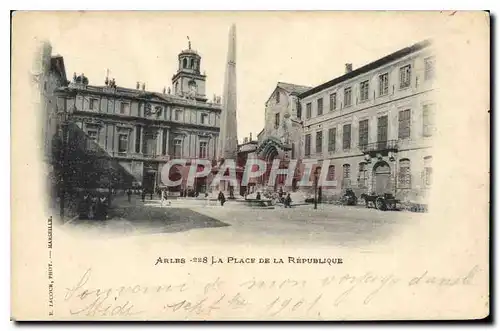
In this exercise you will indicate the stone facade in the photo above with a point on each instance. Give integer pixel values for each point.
(135, 132)
(282, 120)
(375, 124)
(282, 133)
(49, 74)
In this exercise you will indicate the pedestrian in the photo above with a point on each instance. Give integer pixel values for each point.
(151, 194)
(221, 198)
(258, 196)
(129, 194)
(101, 207)
(162, 194)
(143, 195)
(93, 205)
(288, 201)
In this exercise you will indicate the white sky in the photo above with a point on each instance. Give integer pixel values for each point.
(306, 48)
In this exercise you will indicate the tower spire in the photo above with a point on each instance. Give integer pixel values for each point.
(189, 43)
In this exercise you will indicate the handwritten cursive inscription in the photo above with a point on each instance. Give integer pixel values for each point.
(269, 297)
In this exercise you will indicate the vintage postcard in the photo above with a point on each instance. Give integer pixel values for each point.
(250, 165)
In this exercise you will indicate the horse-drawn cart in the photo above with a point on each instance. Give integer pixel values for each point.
(384, 202)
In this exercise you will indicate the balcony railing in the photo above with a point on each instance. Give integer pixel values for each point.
(151, 156)
(379, 146)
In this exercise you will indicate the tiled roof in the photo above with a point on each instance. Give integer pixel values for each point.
(370, 66)
(293, 88)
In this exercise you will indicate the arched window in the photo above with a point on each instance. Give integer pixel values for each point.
(427, 171)
(191, 63)
(362, 175)
(346, 175)
(404, 173)
(184, 63)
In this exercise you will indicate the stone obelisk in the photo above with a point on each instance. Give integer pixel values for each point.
(228, 131)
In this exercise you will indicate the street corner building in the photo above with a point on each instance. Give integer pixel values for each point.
(114, 137)
(374, 126)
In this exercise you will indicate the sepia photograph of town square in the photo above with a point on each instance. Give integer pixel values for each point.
(238, 131)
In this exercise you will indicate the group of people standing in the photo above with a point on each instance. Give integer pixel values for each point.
(93, 206)
(279, 196)
(161, 193)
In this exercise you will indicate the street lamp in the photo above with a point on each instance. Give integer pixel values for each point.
(316, 175)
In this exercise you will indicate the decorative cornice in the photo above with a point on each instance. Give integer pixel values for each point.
(143, 96)
(89, 120)
(124, 126)
(144, 121)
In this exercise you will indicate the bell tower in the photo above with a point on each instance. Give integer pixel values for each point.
(188, 81)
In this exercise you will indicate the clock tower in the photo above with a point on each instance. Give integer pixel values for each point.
(188, 81)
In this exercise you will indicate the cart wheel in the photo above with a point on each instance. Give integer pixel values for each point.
(380, 204)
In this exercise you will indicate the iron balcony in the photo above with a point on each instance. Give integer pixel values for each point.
(379, 147)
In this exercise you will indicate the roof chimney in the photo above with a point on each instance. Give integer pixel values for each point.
(143, 86)
(348, 68)
(245, 140)
(137, 86)
(250, 136)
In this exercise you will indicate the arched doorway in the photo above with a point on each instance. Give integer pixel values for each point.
(269, 150)
(382, 177)
(270, 153)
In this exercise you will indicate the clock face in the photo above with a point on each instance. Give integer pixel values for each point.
(192, 87)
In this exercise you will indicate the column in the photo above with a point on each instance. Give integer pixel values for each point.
(159, 141)
(142, 140)
(168, 142)
(134, 140)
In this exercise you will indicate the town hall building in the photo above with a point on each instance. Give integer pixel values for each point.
(121, 137)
